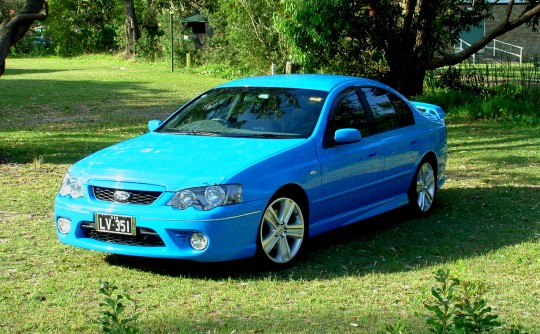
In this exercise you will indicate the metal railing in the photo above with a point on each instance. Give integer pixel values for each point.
(506, 48)
(496, 46)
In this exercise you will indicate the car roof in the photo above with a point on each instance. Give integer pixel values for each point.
(323, 82)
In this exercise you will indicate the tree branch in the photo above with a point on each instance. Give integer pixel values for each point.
(16, 28)
(253, 22)
(410, 8)
(509, 11)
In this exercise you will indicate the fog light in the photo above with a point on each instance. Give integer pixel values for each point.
(64, 225)
(198, 241)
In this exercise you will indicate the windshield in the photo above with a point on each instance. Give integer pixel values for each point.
(250, 112)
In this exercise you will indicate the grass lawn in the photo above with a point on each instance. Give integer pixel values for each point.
(485, 227)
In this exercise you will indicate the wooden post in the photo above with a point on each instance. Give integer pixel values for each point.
(188, 59)
(288, 67)
(273, 69)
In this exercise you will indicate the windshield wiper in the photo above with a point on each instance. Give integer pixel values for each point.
(197, 133)
(272, 135)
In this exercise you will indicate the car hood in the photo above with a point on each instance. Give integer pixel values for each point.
(177, 161)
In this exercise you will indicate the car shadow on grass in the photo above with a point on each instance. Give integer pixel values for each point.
(464, 223)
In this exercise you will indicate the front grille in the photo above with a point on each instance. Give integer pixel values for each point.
(135, 196)
(145, 236)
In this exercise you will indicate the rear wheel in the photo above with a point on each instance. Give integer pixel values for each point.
(423, 189)
(282, 231)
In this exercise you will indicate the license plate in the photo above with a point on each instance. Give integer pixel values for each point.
(115, 224)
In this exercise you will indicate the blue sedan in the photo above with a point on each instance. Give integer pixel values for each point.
(255, 167)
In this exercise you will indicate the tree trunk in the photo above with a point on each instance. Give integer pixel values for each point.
(132, 27)
(408, 81)
(13, 29)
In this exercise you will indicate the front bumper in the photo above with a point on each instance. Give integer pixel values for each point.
(164, 232)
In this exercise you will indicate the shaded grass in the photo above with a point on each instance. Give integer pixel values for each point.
(485, 226)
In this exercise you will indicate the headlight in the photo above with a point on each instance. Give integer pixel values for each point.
(71, 186)
(207, 198)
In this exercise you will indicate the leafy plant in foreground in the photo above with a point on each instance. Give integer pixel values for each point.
(463, 312)
(458, 308)
(399, 328)
(112, 319)
(443, 308)
(473, 315)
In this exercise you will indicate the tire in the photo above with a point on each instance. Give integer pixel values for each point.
(282, 232)
(423, 189)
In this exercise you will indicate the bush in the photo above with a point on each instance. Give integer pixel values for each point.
(34, 46)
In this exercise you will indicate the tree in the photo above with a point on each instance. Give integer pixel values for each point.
(14, 27)
(409, 37)
(245, 35)
(132, 27)
(85, 26)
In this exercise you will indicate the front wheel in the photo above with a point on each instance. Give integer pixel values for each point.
(423, 189)
(282, 231)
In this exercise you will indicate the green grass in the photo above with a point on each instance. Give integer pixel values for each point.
(485, 227)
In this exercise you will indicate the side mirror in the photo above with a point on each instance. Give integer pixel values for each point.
(345, 136)
(154, 124)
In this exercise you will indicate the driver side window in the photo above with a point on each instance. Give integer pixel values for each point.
(348, 113)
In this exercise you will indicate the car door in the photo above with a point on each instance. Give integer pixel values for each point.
(393, 127)
(350, 173)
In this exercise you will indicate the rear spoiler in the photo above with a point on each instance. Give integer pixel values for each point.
(430, 110)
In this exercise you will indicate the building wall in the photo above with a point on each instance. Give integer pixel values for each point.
(522, 36)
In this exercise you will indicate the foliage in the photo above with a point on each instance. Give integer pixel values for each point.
(454, 79)
(148, 46)
(468, 310)
(325, 35)
(443, 309)
(375, 36)
(535, 22)
(458, 308)
(399, 328)
(84, 26)
(400, 40)
(393, 41)
(245, 36)
(112, 319)
(38, 44)
(181, 45)
(463, 313)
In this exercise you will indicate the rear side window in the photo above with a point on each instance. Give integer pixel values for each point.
(404, 113)
(389, 111)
